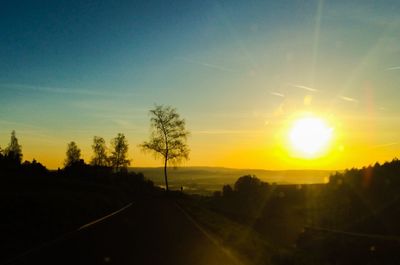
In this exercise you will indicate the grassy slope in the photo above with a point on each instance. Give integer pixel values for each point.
(240, 239)
(272, 233)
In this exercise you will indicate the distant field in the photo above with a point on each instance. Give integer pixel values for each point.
(205, 180)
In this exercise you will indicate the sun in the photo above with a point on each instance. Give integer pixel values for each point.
(309, 137)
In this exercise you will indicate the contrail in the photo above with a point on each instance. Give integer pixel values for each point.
(20, 124)
(393, 68)
(228, 132)
(305, 87)
(277, 94)
(348, 99)
(56, 90)
(213, 66)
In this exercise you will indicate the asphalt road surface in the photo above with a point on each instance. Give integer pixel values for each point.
(155, 231)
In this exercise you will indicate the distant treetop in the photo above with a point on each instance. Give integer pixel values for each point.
(14, 149)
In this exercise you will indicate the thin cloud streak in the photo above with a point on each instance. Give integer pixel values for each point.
(208, 65)
(30, 131)
(108, 107)
(214, 132)
(19, 124)
(277, 94)
(348, 99)
(393, 68)
(56, 90)
(304, 87)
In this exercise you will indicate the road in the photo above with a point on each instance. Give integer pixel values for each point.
(155, 231)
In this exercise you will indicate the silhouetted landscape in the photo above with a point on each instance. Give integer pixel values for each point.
(200, 132)
(350, 219)
(39, 205)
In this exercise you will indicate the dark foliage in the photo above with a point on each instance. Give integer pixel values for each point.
(33, 169)
(244, 201)
(364, 200)
(353, 219)
(39, 205)
(357, 220)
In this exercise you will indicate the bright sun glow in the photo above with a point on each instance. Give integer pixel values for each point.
(310, 136)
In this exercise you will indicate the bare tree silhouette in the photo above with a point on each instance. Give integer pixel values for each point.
(168, 137)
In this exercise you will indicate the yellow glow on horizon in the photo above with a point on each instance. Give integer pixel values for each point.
(265, 147)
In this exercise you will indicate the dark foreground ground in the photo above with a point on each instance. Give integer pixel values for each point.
(155, 231)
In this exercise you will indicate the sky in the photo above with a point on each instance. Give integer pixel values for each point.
(239, 72)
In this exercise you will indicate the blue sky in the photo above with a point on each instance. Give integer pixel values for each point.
(70, 70)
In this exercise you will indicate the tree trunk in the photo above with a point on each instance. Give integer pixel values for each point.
(165, 174)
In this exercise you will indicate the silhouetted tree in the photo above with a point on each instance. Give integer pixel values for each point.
(247, 184)
(13, 151)
(99, 152)
(250, 192)
(227, 191)
(168, 137)
(119, 154)
(73, 154)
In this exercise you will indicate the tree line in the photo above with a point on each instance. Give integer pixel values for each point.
(117, 159)
(168, 140)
